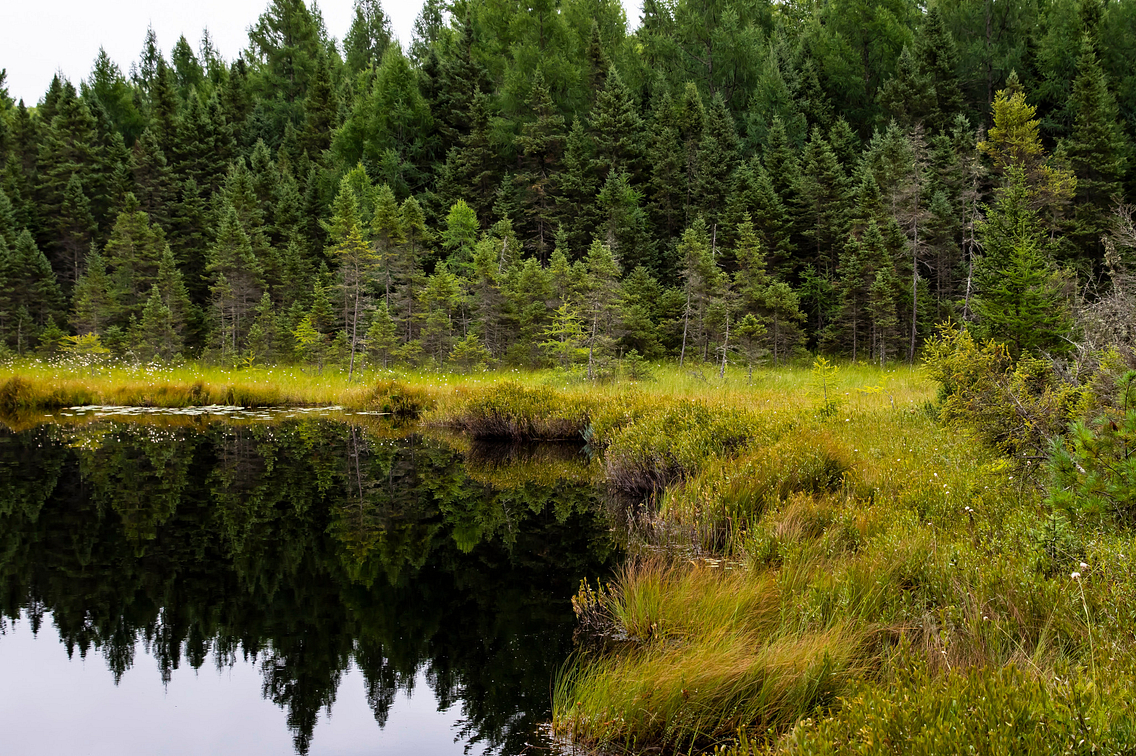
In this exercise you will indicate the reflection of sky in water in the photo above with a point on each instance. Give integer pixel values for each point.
(52, 705)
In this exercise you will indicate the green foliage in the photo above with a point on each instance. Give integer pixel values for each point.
(1019, 408)
(1094, 470)
(510, 411)
(666, 444)
(992, 711)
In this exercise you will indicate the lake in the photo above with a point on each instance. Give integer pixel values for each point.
(266, 583)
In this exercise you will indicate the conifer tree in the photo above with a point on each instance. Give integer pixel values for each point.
(153, 180)
(93, 307)
(156, 336)
(623, 223)
(700, 279)
(602, 294)
(541, 145)
(357, 259)
(1097, 150)
(75, 229)
(616, 129)
(381, 338)
(439, 302)
(666, 195)
(460, 235)
(1019, 300)
(388, 236)
(133, 254)
(265, 342)
(368, 37)
(30, 292)
(236, 283)
(824, 196)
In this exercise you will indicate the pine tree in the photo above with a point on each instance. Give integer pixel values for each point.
(381, 337)
(541, 145)
(602, 294)
(824, 196)
(460, 235)
(617, 130)
(93, 299)
(75, 229)
(175, 296)
(717, 158)
(321, 108)
(286, 44)
(153, 180)
(133, 254)
(700, 278)
(156, 335)
(666, 197)
(938, 58)
(439, 302)
(1019, 300)
(368, 37)
(31, 296)
(357, 259)
(623, 223)
(265, 341)
(1097, 151)
(236, 283)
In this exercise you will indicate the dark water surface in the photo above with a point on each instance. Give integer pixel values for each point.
(308, 585)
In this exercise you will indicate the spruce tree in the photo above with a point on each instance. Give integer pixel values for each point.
(541, 146)
(156, 336)
(236, 284)
(1097, 150)
(368, 37)
(92, 301)
(75, 230)
(381, 338)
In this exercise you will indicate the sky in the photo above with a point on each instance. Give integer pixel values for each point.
(38, 38)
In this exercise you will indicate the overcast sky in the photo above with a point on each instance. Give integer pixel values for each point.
(40, 37)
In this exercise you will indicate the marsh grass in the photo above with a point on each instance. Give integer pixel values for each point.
(804, 562)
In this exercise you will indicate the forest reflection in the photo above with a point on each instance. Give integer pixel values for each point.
(305, 546)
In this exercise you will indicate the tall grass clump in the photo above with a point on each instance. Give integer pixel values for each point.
(510, 411)
(673, 442)
(718, 504)
(705, 655)
(392, 397)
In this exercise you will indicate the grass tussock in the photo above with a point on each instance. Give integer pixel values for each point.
(511, 412)
(707, 653)
(730, 493)
(674, 441)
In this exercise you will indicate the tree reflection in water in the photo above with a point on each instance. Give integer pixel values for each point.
(306, 546)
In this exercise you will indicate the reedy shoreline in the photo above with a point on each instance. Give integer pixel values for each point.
(810, 576)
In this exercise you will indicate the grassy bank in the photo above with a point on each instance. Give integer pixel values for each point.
(819, 567)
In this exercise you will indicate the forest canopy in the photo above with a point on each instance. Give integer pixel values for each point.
(536, 185)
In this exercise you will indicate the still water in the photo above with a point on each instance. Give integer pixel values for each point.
(187, 585)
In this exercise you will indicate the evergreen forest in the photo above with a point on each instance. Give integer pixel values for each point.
(547, 184)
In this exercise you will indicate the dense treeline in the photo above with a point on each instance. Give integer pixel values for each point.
(535, 185)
